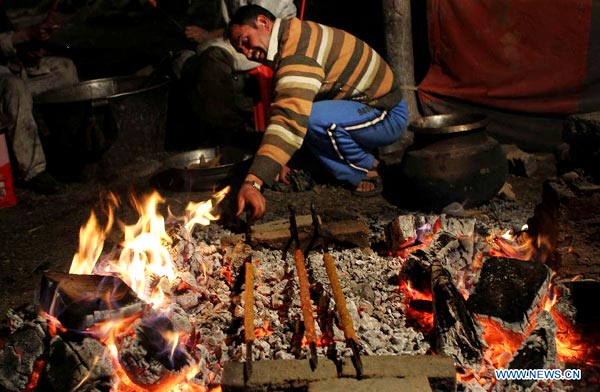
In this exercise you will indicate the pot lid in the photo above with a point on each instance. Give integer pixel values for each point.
(449, 123)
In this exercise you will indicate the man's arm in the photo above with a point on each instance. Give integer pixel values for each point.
(297, 82)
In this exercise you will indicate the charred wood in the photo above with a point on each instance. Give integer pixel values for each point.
(538, 351)
(22, 349)
(582, 298)
(80, 301)
(459, 333)
(83, 365)
(409, 230)
(276, 235)
(510, 292)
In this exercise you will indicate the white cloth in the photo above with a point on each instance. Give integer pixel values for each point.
(283, 9)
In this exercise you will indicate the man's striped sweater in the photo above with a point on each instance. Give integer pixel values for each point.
(314, 63)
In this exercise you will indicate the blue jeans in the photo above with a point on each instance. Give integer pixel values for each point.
(344, 134)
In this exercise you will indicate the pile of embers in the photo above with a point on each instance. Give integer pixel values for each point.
(442, 285)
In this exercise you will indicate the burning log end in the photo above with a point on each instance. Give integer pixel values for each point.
(459, 333)
(538, 351)
(79, 301)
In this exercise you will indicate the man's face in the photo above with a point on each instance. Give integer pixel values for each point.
(252, 42)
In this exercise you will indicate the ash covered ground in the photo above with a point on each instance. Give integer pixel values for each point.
(41, 232)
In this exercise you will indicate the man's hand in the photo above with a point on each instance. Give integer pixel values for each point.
(250, 197)
(283, 176)
(153, 3)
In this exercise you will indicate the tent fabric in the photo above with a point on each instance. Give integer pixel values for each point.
(518, 59)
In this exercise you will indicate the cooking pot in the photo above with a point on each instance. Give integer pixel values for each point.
(204, 169)
(452, 159)
(105, 121)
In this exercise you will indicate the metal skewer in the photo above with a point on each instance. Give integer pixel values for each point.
(248, 315)
(338, 296)
(307, 313)
(248, 304)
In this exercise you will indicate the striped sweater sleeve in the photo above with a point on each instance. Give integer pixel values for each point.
(298, 80)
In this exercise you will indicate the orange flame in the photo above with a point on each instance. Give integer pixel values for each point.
(91, 239)
(38, 367)
(521, 248)
(144, 256)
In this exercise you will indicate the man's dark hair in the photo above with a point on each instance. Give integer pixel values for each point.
(247, 15)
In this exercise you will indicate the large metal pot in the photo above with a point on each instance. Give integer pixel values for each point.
(452, 159)
(107, 122)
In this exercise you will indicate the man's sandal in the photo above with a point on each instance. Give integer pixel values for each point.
(375, 180)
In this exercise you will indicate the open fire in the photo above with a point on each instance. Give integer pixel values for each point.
(573, 346)
(163, 310)
(143, 263)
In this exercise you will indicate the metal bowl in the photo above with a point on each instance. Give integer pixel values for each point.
(449, 123)
(204, 169)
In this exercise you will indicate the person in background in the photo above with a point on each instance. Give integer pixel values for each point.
(25, 71)
(213, 76)
(332, 93)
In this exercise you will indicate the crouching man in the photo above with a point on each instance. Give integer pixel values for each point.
(332, 92)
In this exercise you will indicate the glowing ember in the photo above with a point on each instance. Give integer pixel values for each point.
(423, 318)
(263, 331)
(502, 344)
(38, 366)
(572, 344)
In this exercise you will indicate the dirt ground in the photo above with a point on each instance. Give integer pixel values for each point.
(41, 232)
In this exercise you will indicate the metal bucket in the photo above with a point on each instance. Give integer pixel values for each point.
(105, 122)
